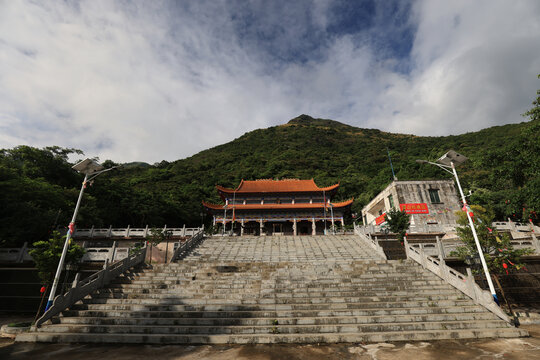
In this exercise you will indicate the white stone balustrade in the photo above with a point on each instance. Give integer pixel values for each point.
(464, 283)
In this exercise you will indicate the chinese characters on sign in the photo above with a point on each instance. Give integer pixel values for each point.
(420, 208)
(379, 220)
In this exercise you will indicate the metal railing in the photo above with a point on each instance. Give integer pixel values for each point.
(183, 247)
(83, 288)
(464, 283)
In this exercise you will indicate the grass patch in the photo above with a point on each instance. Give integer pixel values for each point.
(20, 324)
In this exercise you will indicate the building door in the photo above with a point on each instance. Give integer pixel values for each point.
(278, 228)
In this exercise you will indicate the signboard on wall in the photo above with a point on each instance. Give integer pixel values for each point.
(415, 208)
(380, 219)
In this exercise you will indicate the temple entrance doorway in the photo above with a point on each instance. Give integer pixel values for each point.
(277, 229)
(304, 227)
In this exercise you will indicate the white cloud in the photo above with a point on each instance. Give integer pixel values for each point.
(476, 66)
(153, 80)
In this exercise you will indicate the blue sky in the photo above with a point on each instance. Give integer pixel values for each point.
(147, 81)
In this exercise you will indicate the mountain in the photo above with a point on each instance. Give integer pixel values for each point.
(502, 173)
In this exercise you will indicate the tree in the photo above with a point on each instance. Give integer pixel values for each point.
(499, 253)
(398, 222)
(46, 255)
(157, 236)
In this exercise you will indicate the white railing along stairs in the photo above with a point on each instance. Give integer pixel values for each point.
(370, 241)
(83, 288)
(464, 283)
(184, 247)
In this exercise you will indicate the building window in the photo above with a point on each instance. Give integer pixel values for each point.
(391, 201)
(434, 195)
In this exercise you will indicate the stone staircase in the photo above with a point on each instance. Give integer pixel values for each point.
(206, 300)
(329, 248)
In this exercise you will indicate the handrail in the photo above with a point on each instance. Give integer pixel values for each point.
(130, 232)
(83, 288)
(464, 283)
(184, 247)
(371, 242)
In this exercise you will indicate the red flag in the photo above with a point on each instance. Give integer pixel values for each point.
(71, 228)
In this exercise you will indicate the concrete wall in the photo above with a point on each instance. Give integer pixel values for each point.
(406, 192)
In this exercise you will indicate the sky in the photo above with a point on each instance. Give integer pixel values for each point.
(163, 80)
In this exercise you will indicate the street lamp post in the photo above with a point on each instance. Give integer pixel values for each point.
(447, 162)
(91, 169)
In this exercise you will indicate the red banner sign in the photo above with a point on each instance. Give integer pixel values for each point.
(420, 208)
(379, 220)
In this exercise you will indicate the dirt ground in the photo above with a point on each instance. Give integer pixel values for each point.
(523, 348)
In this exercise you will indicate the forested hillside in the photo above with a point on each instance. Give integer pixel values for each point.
(38, 189)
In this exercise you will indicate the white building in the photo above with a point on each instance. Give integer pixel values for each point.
(431, 203)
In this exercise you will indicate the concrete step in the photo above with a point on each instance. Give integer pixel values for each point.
(371, 312)
(273, 307)
(265, 321)
(156, 299)
(226, 293)
(306, 338)
(269, 329)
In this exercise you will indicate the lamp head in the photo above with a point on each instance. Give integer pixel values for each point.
(87, 166)
(452, 157)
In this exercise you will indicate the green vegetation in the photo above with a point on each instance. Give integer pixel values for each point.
(499, 254)
(398, 222)
(46, 255)
(38, 190)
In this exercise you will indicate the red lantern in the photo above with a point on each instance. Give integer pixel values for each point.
(505, 266)
(42, 290)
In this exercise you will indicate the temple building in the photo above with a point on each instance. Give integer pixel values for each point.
(278, 207)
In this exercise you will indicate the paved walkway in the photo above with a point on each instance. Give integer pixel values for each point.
(338, 248)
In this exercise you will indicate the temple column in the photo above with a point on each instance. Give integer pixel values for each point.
(294, 227)
(262, 228)
(313, 227)
(242, 227)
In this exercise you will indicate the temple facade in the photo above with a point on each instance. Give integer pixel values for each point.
(278, 207)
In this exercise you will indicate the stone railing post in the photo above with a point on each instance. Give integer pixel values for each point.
(22, 251)
(109, 233)
(184, 230)
(422, 255)
(76, 280)
(146, 232)
(442, 268)
(512, 225)
(92, 232)
(471, 284)
(127, 231)
(406, 244)
(105, 266)
(441, 247)
(112, 252)
(536, 243)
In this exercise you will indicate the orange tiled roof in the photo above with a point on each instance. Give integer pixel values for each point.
(276, 186)
(277, 206)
